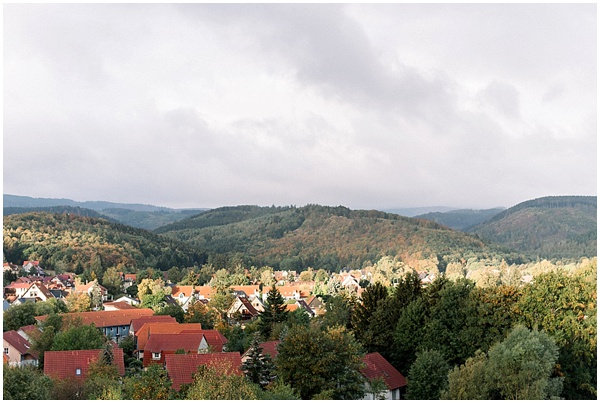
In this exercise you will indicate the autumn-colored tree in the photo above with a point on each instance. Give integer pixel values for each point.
(151, 384)
(218, 382)
(112, 281)
(79, 302)
(199, 312)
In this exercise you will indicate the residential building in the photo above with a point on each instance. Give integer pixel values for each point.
(18, 349)
(74, 364)
(181, 367)
(377, 367)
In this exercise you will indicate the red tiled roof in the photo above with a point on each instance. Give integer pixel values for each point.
(63, 364)
(247, 289)
(181, 367)
(163, 328)
(136, 324)
(169, 343)
(119, 305)
(173, 342)
(19, 342)
(130, 276)
(215, 340)
(379, 367)
(270, 348)
(106, 318)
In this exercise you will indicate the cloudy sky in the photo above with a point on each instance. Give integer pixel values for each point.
(366, 106)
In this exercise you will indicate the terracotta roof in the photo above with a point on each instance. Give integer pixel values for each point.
(19, 342)
(64, 364)
(130, 277)
(291, 307)
(205, 290)
(163, 328)
(86, 287)
(137, 323)
(379, 367)
(173, 342)
(30, 330)
(270, 348)
(247, 289)
(18, 285)
(119, 305)
(215, 340)
(181, 367)
(33, 262)
(106, 318)
(187, 290)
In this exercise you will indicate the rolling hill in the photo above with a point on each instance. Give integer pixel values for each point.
(137, 215)
(462, 219)
(319, 236)
(68, 241)
(555, 227)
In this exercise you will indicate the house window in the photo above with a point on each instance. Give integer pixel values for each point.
(156, 356)
(6, 350)
(78, 371)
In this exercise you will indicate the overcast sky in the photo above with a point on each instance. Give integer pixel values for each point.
(366, 106)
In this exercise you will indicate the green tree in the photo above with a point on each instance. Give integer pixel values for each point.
(522, 365)
(274, 312)
(258, 368)
(362, 316)
(470, 381)
(315, 362)
(219, 383)
(78, 337)
(198, 312)
(103, 377)
(112, 281)
(151, 384)
(18, 316)
(337, 311)
(171, 310)
(25, 383)
(428, 376)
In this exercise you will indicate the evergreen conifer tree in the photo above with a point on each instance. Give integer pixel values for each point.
(274, 312)
(258, 368)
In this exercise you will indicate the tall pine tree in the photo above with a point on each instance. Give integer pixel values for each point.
(274, 312)
(258, 368)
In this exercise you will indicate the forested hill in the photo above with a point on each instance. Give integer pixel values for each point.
(461, 219)
(80, 211)
(555, 227)
(71, 242)
(321, 237)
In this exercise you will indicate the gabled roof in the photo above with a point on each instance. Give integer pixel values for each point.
(181, 367)
(215, 340)
(247, 289)
(301, 303)
(150, 328)
(130, 277)
(119, 305)
(379, 367)
(43, 289)
(137, 323)
(173, 342)
(246, 304)
(19, 343)
(187, 290)
(64, 364)
(268, 348)
(205, 290)
(106, 318)
(86, 287)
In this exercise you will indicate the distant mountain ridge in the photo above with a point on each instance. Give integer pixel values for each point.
(463, 219)
(552, 227)
(137, 215)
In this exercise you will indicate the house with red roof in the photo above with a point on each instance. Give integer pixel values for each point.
(18, 349)
(90, 287)
(114, 324)
(268, 348)
(161, 345)
(137, 323)
(74, 364)
(377, 367)
(117, 306)
(147, 329)
(182, 367)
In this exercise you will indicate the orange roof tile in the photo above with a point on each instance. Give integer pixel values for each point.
(137, 323)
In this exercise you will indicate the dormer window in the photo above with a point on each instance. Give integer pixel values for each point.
(156, 356)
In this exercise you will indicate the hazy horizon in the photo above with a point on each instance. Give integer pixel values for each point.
(369, 106)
